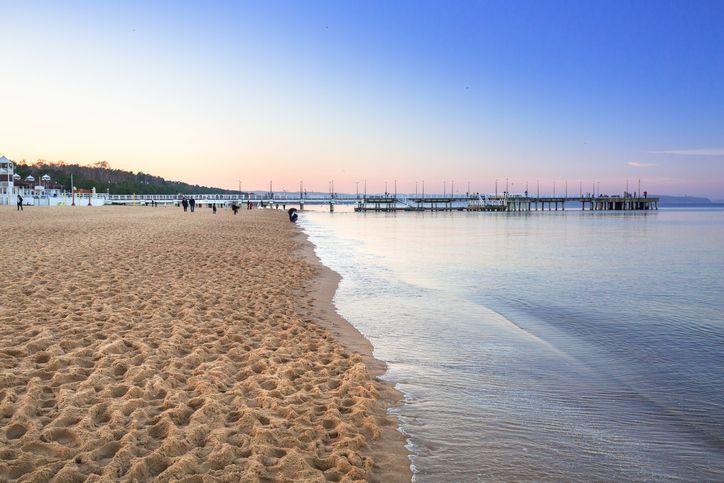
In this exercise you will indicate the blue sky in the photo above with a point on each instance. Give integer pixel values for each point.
(314, 91)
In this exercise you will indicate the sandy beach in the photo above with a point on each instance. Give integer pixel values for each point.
(143, 343)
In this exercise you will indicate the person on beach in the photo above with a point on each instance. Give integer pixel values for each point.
(184, 203)
(192, 204)
(20, 203)
(213, 208)
(234, 207)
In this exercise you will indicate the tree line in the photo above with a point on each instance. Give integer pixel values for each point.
(102, 177)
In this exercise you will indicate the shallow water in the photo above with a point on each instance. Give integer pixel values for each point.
(543, 346)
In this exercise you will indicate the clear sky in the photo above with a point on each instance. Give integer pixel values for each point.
(217, 92)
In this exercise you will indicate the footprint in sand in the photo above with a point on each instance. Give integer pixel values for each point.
(15, 431)
(62, 436)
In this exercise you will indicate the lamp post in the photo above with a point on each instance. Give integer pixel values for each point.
(72, 191)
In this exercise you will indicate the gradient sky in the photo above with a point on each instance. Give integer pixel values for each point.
(216, 92)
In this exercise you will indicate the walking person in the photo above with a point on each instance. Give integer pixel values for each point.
(20, 203)
(185, 203)
(213, 208)
(192, 204)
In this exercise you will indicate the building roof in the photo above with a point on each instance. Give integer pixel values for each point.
(5, 165)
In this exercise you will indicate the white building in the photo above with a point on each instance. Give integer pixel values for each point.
(7, 181)
(43, 193)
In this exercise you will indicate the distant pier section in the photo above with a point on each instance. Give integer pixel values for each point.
(507, 203)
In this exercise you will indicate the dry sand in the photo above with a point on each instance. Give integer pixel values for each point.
(141, 343)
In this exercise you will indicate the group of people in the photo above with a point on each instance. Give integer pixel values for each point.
(188, 203)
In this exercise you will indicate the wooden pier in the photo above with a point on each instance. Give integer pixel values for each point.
(505, 203)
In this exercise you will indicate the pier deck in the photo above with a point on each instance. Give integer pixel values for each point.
(506, 203)
(400, 202)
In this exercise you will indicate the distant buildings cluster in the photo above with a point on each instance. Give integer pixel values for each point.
(12, 184)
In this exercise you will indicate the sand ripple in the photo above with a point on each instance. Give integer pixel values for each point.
(142, 343)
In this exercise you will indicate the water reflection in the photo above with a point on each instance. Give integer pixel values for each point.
(553, 346)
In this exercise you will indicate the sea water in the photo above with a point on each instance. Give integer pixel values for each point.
(543, 346)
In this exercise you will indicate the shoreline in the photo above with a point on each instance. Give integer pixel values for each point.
(389, 451)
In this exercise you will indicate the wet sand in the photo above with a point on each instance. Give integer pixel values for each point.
(144, 343)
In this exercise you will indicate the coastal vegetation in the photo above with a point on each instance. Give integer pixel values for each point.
(103, 177)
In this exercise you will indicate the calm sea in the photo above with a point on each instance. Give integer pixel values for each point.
(544, 346)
